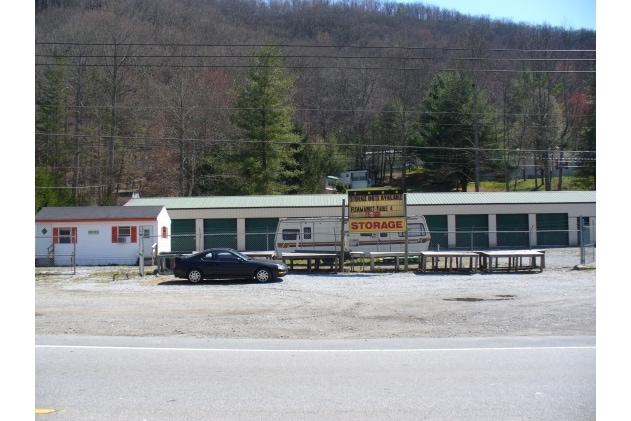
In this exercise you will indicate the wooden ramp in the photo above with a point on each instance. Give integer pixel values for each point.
(314, 261)
(452, 261)
(512, 260)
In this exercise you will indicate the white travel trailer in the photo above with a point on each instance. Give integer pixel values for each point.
(322, 235)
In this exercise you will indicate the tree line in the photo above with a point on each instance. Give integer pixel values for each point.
(234, 97)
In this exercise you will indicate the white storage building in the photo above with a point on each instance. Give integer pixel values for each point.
(100, 235)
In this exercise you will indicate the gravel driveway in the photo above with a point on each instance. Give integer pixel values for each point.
(117, 301)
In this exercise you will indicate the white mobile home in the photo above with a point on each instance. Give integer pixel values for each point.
(322, 235)
(357, 179)
(100, 235)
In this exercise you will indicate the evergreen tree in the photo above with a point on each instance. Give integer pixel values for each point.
(51, 122)
(447, 127)
(587, 170)
(47, 191)
(316, 160)
(52, 114)
(264, 116)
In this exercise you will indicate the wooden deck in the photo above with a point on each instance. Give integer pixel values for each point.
(428, 261)
(261, 254)
(314, 260)
(512, 260)
(372, 255)
(460, 261)
(467, 261)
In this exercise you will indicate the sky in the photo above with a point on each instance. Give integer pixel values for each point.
(570, 14)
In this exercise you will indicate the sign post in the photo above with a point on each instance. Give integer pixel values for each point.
(378, 210)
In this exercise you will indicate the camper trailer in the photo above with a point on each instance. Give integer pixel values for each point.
(322, 235)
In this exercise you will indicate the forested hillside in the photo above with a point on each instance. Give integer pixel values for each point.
(227, 97)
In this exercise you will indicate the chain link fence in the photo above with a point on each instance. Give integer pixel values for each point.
(64, 257)
(583, 241)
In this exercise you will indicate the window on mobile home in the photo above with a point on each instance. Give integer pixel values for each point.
(291, 234)
(124, 234)
(65, 236)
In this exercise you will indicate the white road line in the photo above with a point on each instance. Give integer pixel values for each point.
(314, 350)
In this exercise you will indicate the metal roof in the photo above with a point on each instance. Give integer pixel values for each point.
(486, 198)
(327, 200)
(237, 202)
(98, 213)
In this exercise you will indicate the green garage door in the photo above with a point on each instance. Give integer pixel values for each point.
(472, 231)
(220, 233)
(260, 233)
(438, 229)
(183, 235)
(552, 229)
(512, 231)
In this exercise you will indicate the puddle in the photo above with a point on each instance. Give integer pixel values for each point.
(497, 298)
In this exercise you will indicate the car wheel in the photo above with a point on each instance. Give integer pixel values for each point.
(195, 275)
(263, 275)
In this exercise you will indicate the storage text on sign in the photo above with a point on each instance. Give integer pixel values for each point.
(376, 210)
(377, 225)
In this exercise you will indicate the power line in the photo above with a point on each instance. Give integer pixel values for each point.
(337, 46)
(235, 66)
(438, 54)
(383, 146)
(73, 108)
(290, 56)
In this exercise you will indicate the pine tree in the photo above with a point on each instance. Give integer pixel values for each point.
(264, 118)
(447, 127)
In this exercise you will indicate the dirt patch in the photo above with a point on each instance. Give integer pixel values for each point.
(119, 302)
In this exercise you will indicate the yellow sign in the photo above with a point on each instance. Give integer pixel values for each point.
(375, 203)
(376, 210)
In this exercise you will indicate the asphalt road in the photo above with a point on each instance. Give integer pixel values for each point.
(163, 378)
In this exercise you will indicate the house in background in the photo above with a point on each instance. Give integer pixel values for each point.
(100, 235)
(329, 184)
(123, 196)
(357, 179)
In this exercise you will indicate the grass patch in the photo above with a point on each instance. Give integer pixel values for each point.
(417, 181)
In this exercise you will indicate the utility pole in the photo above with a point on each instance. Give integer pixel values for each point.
(403, 151)
(475, 138)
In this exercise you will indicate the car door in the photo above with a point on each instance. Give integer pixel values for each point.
(208, 264)
(229, 265)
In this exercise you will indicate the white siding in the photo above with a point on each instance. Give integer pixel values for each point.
(94, 244)
(164, 243)
(43, 239)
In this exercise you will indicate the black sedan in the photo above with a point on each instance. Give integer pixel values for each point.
(226, 263)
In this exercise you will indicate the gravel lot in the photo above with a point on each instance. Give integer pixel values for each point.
(117, 301)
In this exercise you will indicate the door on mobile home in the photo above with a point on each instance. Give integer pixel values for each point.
(148, 240)
(306, 239)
